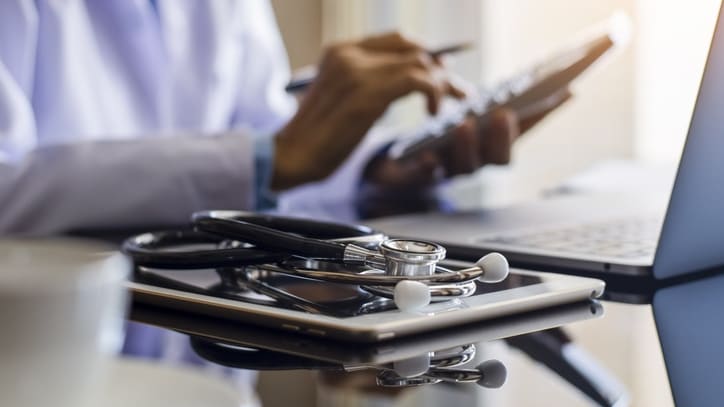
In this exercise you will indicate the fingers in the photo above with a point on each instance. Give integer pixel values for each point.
(385, 67)
(419, 171)
(474, 147)
(498, 137)
(462, 156)
(410, 59)
(471, 148)
(421, 81)
(416, 75)
(455, 90)
(390, 42)
(422, 72)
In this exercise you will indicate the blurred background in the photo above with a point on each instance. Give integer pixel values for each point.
(636, 106)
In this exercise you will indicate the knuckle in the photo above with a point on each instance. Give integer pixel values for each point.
(422, 60)
(334, 52)
(337, 57)
(412, 80)
(392, 36)
(414, 75)
(403, 39)
(397, 36)
(334, 49)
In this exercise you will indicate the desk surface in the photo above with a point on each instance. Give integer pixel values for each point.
(622, 347)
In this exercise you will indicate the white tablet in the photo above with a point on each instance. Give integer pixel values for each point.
(348, 313)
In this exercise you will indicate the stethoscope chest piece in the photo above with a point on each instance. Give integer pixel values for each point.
(411, 257)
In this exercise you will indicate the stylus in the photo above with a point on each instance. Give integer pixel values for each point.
(296, 85)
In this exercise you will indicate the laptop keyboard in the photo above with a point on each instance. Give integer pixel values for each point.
(621, 238)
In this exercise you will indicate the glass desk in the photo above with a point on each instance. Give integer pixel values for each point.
(585, 354)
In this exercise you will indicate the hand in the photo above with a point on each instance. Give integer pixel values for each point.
(472, 148)
(355, 84)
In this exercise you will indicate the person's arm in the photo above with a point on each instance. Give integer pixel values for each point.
(96, 185)
(110, 184)
(142, 182)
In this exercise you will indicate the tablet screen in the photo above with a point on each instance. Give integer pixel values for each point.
(289, 292)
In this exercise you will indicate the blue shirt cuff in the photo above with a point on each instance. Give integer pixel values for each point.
(263, 168)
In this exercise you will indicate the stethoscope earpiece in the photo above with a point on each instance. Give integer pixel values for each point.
(493, 374)
(495, 268)
(411, 295)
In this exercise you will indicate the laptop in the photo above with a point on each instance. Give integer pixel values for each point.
(609, 235)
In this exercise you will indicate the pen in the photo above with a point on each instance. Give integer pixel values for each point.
(296, 85)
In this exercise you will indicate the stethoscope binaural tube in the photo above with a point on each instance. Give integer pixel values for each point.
(161, 249)
(295, 240)
(151, 250)
(292, 236)
(269, 238)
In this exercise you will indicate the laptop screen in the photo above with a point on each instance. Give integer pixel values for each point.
(692, 237)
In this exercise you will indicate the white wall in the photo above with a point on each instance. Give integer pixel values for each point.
(674, 40)
(300, 22)
(597, 124)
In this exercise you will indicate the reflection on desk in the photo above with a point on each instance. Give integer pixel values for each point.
(691, 331)
(441, 357)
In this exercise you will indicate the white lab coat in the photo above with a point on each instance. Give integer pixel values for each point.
(119, 113)
(122, 113)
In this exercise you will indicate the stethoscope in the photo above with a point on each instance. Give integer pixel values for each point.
(442, 366)
(406, 271)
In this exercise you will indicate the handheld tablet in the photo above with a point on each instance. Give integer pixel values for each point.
(348, 319)
(529, 94)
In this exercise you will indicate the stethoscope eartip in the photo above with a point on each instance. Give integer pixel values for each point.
(493, 372)
(411, 295)
(412, 367)
(495, 267)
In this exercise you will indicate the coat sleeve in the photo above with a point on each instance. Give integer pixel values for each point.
(130, 184)
(109, 184)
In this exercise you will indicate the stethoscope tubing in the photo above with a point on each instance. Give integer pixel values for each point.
(270, 238)
(154, 250)
(326, 240)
